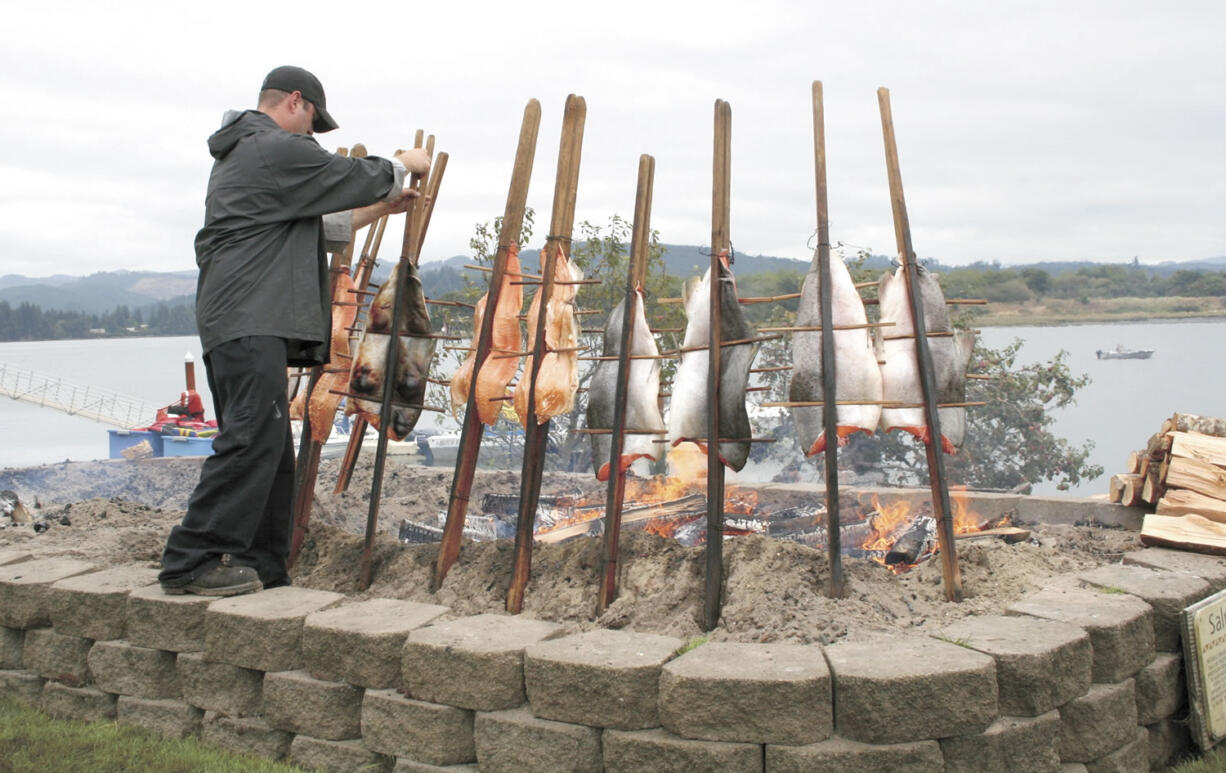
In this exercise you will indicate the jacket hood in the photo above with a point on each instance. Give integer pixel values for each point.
(236, 125)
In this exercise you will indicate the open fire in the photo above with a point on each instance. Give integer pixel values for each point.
(892, 533)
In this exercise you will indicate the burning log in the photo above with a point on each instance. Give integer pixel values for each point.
(913, 543)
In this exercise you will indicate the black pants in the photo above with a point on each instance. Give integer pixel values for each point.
(243, 503)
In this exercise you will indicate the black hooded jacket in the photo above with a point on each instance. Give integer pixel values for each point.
(263, 269)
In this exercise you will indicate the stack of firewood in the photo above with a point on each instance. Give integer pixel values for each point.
(1182, 474)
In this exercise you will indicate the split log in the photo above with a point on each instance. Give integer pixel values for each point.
(1206, 425)
(1134, 463)
(1184, 532)
(1184, 502)
(1193, 445)
(1201, 477)
(1152, 489)
(1125, 488)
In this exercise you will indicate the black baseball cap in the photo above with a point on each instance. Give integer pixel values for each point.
(289, 78)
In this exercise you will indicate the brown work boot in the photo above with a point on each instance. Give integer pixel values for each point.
(215, 578)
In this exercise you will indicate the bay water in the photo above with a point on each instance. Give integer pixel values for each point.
(1123, 405)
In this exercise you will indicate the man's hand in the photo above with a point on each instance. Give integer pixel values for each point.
(415, 160)
(401, 202)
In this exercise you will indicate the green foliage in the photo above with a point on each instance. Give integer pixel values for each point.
(31, 742)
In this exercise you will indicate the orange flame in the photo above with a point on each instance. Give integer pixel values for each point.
(688, 462)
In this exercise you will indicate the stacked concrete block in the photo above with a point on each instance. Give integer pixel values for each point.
(1098, 723)
(601, 678)
(1009, 744)
(1167, 593)
(84, 704)
(404, 765)
(648, 751)
(297, 702)
(262, 631)
(167, 718)
(1160, 688)
(474, 663)
(163, 622)
(125, 669)
(1169, 742)
(12, 640)
(361, 643)
(220, 687)
(950, 690)
(423, 732)
(94, 605)
(514, 740)
(1040, 664)
(1132, 756)
(1120, 626)
(839, 755)
(1211, 569)
(25, 589)
(319, 754)
(245, 735)
(751, 693)
(25, 686)
(55, 656)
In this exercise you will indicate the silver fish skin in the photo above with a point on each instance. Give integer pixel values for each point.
(413, 356)
(858, 374)
(951, 386)
(900, 371)
(642, 393)
(688, 411)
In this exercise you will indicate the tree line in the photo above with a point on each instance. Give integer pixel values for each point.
(29, 322)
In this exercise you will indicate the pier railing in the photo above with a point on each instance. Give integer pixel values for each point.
(101, 405)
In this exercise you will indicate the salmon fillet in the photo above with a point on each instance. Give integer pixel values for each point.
(558, 377)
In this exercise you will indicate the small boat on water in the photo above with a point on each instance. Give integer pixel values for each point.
(1120, 353)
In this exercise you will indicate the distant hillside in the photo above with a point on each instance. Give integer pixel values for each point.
(97, 293)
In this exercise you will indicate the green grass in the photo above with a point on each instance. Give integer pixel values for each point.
(31, 742)
(1213, 761)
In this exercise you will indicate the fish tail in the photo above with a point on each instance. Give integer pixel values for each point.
(947, 446)
(818, 446)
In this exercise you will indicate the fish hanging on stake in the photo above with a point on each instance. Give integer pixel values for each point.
(415, 350)
(642, 393)
(506, 338)
(900, 372)
(858, 375)
(557, 379)
(688, 411)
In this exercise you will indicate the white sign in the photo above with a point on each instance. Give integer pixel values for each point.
(1204, 647)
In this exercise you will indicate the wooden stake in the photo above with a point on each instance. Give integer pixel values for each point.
(536, 435)
(936, 464)
(636, 277)
(721, 242)
(830, 417)
(472, 429)
(408, 254)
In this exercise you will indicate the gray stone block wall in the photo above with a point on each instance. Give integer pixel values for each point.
(124, 669)
(11, 642)
(163, 622)
(220, 687)
(93, 605)
(361, 643)
(1020, 684)
(55, 656)
(25, 589)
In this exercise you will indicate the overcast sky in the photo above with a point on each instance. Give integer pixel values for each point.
(1026, 130)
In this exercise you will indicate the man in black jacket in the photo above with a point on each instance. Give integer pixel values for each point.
(262, 303)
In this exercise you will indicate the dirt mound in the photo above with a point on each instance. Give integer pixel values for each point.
(119, 512)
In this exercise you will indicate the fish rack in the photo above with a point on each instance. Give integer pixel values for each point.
(417, 218)
(472, 429)
(536, 434)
